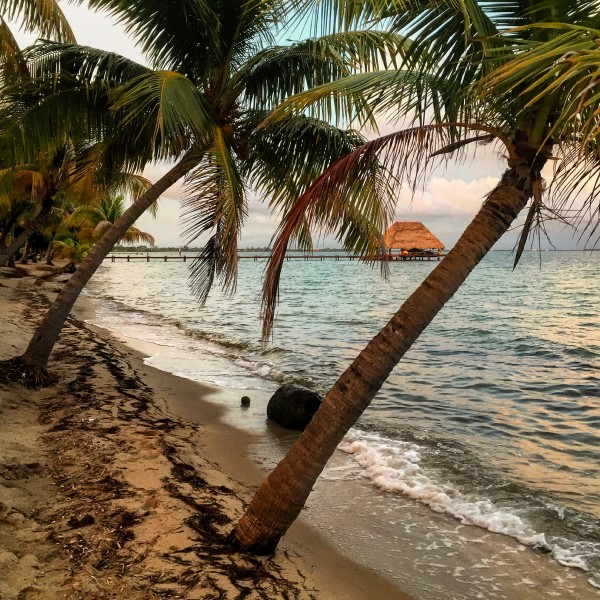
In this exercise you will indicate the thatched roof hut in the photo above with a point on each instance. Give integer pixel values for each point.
(411, 235)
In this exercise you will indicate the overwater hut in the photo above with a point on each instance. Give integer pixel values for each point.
(406, 239)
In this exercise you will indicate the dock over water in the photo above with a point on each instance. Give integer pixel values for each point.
(119, 257)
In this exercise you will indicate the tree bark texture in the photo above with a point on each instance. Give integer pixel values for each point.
(25, 258)
(281, 497)
(46, 334)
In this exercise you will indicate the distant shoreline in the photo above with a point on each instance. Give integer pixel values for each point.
(161, 249)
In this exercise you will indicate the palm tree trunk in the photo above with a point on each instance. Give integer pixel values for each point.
(282, 496)
(25, 257)
(36, 356)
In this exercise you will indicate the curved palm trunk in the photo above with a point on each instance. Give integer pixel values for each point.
(43, 340)
(282, 496)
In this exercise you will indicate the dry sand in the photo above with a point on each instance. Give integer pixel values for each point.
(105, 494)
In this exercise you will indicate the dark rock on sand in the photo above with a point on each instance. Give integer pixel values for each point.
(293, 406)
(245, 400)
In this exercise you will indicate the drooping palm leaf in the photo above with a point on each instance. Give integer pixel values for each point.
(167, 102)
(42, 16)
(215, 205)
(346, 198)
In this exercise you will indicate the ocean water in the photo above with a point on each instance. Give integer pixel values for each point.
(489, 425)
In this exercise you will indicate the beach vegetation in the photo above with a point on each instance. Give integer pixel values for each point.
(20, 181)
(89, 223)
(517, 76)
(51, 196)
(216, 72)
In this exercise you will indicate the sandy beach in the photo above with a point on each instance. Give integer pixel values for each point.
(104, 493)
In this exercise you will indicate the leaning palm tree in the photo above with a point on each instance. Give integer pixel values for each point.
(498, 72)
(217, 75)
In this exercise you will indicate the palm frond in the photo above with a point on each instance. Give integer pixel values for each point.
(91, 67)
(215, 201)
(166, 32)
(42, 16)
(565, 68)
(134, 235)
(279, 72)
(167, 102)
(358, 97)
(574, 189)
(309, 145)
(12, 64)
(354, 198)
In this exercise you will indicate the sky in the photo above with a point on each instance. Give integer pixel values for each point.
(446, 205)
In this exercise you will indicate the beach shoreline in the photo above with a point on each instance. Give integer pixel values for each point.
(105, 493)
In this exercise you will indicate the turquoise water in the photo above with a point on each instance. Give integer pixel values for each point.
(493, 417)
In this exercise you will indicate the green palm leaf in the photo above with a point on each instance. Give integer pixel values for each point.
(168, 103)
(88, 66)
(215, 204)
(311, 145)
(165, 31)
(279, 72)
(42, 16)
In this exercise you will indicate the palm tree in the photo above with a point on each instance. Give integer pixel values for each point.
(48, 20)
(26, 198)
(501, 70)
(217, 76)
(90, 223)
(29, 193)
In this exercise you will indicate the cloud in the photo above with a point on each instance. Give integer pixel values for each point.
(446, 197)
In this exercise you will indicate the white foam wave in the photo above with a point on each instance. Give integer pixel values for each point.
(267, 371)
(394, 466)
(261, 369)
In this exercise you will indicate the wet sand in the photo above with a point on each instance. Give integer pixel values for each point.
(108, 491)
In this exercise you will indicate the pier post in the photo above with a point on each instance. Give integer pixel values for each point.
(128, 258)
(165, 259)
(112, 258)
(184, 258)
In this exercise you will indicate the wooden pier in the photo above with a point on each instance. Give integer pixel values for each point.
(256, 257)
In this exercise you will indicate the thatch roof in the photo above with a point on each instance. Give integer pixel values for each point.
(410, 234)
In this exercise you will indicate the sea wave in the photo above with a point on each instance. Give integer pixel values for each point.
(153, 318)
(268, 371)
(395, 466)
